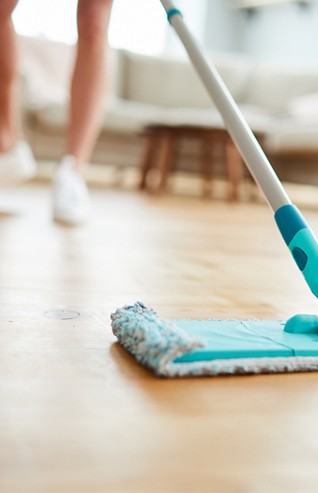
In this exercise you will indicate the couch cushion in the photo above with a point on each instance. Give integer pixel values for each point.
(273, 86)
(304, 106)
(46, 67)
(294, 134)
(172, 82)
(120, 116)
(258, 120)
(130, 116)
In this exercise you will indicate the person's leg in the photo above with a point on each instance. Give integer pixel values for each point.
(89, 85)
(9, 114)
(17, 163)
(89, 82)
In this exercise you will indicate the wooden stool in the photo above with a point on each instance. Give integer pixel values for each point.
(161, 154)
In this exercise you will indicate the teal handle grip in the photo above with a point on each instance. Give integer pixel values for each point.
(301, 241)
(304, 248)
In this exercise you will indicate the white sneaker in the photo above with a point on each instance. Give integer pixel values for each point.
(17, 165)
(70, 193)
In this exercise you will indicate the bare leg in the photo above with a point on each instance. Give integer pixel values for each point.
(89, 81)
(9, 115)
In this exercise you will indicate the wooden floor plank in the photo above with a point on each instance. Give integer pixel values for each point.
(79, 415)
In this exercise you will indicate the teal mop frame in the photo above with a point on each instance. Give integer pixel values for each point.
(193, 348)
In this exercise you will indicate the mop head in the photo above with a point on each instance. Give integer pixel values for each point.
(184, 348)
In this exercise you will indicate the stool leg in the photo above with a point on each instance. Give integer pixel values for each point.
(173, 157)
(147, 162)
(165, 159)
(235, 171)
(207, 165)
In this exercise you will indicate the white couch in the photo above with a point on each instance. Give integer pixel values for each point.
(275, 99)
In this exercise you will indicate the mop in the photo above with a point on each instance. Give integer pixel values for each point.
(225, 347)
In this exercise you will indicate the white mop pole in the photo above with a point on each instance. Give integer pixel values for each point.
(299, 238)
(247, 144)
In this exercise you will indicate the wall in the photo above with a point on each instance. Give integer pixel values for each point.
(225, 27)
(287, 33)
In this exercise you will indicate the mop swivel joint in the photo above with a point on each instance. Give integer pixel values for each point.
(301, 241)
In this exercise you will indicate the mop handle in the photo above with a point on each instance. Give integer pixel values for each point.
(293, 227)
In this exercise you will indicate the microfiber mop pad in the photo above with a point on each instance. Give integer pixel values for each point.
(184, 348)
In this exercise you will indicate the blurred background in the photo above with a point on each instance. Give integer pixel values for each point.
(267, 29)
(265, 50)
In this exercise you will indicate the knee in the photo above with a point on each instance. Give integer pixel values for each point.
(92, 21)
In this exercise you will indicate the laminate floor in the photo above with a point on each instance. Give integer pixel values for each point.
(79, 415)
